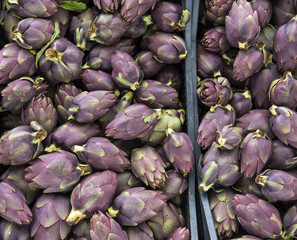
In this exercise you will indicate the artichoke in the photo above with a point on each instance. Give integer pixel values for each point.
(142, 231)
(63, 18)
(133, 9)
(180, 234)
(97, 80)
(107, 5)
(216, 11)
(139, 27)
(12, 231)
(229, 137)
(283, 11)
(126, 181)
(264, 11)
(170, 76)
(241, 102)
(290, 222)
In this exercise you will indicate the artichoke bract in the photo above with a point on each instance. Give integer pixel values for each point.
(15, 62)
(254, 120)
(264, 11)
(63, 99)
(170, 16)
(283, 122)
(55, 172)
(127, 180)
(139, 27)
(284, 46)
(248, 186)
(242, 25)
(135, 121)
(282, 91)
(50, 212)
(100, 56)
(11, 231)
(179, 149)
(41, 109)
(101, 154)
(209, 64)
(229, 137)
(290, 222)
(142, 231)
(283, 157)
(258, 217)
(92, 194)
(216, 11)
(15, 175)
(107, 29)
(226, 223)
(214, 91)
(10, 22)
(97, 80)
(266, 37)
(207, 131)
(148, 64)
(248, 62)
(165, 222)
(125, 71)
(107, 5)
(104, 227)
(21, 144)
(90, 106)
(170, 76)
(256, 149)
(260, 84)
(180, 234)
(283, 11)
(277, 185)
(219, 167)
(13, 205)
(79, 28)
(19, 92)
(167, 47)
(39, 8)
(81, 231)
(148, 166)
(241, 102)
(145, 204)
(133, 9)
(63, 18)
(215, 40)
(70, 134)
(62, 62)
(33, 33)
(169, 118)
(156, 95)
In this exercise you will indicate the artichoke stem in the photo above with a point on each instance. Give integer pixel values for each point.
(85, 169)
(75, 217)
(260, 180)
(204, 188)
(77, 148)
(52, 54)
(52, 148)
(183, 56)
(112, 212)
(40, 135)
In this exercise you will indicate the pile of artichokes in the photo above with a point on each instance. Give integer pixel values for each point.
(247, 89)
(91, 140)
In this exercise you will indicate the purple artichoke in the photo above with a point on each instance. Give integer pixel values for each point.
(266, 37)
(283, 121)
(282, 91)
(290, 222)
(125, 71)
(63, 18)
(283, 11)
(215, 40)
(148, 64)
(50, 212)
(264, 11)
(133, 9)
(260, 84)
(241, 102)
(145, 204)
(19, 92)
(148, 166)
(108, 29)
(101, 154)
(13, 205)
(56, 172)
(92, 194)
(248, 186)
(97, 80)
(242, 25)
(170, 16)
(258, 217)
(284, 46)
(88, 107)
(126, 181)
(12, 231)
(180, 234)
(139, 27)
(216, 11)
(178, 148)
(229, 137)
(135, 121)
(104, 227)
(9, 22)
(21, 144)
(62, 62)
(214, 91)
(213, 121)
(41, 109)
(171, 76)
(219, 167)
(142, 231)
(167, 47)
(81, 231)
(15, 62)
(107, 5)
(278, 185)
(100, 56)
(256, 149)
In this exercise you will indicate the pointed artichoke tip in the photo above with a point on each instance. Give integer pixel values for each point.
(112, 212)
